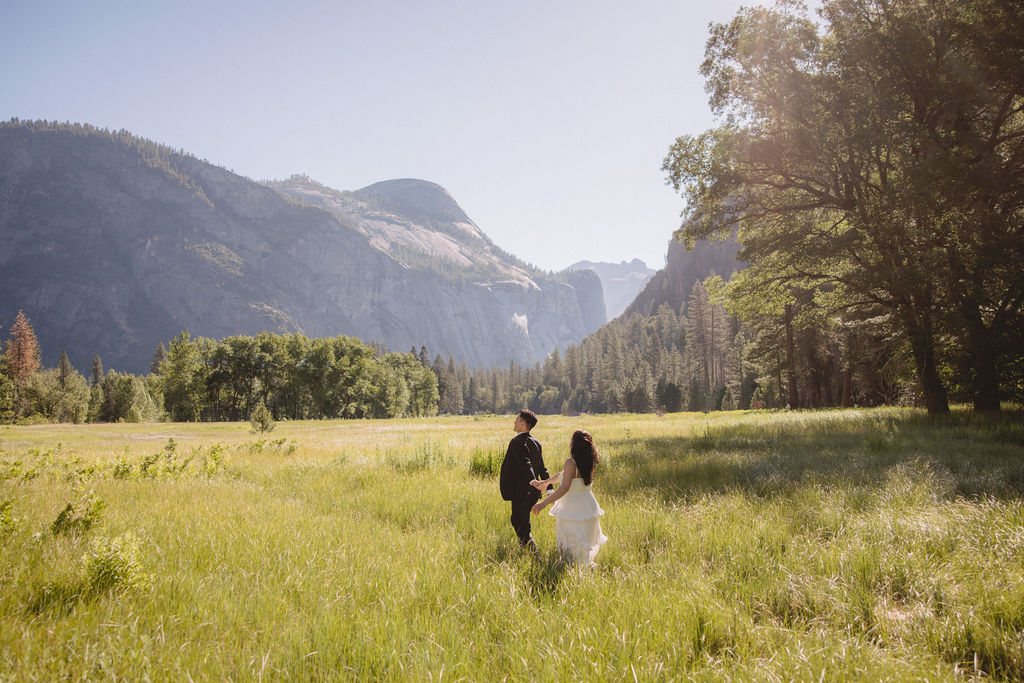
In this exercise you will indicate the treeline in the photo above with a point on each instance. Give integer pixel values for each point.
(199, 379)
(296, 377)
(701, 358)
(153, 154)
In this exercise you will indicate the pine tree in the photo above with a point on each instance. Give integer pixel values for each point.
(159, 356)
(22, 353)
(454, 399)
(6, 392)
(6, 399)
(97, 371)
(64, 371)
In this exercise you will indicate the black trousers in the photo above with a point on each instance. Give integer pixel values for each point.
(521, 516)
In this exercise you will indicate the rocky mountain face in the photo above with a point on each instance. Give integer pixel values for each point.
(621, 282)
(112, 244)
(673, 283)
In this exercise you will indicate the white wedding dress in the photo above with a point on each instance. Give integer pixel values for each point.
(578, 523)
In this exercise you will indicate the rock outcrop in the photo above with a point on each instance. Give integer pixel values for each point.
(112, 244)
(621, 282)
(683, 268)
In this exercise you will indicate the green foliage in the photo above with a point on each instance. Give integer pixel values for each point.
(126, 398)
(274, 445)
(78, 516)
(114, 564)
(56, 397)
(95, 413)
(261, 420)
(96, 373)
(159, 357)
(875, 187)
(8, 523)
(728, 402)
(185, 378)
(6, 398)
(636, 363)
(484, 462)
(294, 377)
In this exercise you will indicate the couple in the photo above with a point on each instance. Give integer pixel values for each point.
(577, 514)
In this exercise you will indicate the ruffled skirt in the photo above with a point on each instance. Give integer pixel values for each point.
(578, 524)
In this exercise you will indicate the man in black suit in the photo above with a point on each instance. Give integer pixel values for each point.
(522, 467)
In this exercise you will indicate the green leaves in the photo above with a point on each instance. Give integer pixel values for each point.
(869, 159)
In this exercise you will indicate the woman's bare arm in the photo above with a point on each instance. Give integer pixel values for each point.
(567, 474)
(544, 483)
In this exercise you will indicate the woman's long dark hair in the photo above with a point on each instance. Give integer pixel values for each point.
(584, 452)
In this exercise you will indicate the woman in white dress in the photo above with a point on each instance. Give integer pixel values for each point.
(576, 512)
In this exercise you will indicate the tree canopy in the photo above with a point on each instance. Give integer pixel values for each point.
(874, 160)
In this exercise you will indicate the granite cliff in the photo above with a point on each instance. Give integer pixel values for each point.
(112, 244)
(672, 284)
(621, 281)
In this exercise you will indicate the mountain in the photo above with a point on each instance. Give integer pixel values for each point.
(621, 282)
(673, 283)
(111, 244)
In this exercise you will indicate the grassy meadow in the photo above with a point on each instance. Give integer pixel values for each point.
(828, 545)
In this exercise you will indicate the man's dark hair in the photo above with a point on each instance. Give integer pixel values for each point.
(529, 418)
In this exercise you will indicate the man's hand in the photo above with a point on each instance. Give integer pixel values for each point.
(537, 485)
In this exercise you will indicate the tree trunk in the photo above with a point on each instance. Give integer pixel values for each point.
(986, 384)
(778, 377)
(847, 390)
(983, 362)
(847, 399)
(922, 343)
(794, 399)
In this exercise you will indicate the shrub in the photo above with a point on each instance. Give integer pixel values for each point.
(78, 516)
(7, 521)
(280, 445)
(123, 468)
(114, 563)
(262, 420)
(485, 463)
(728, 403)
(213, 460)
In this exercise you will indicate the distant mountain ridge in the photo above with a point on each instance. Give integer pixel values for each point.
(621, 281)
(413, 218)
(111, 244)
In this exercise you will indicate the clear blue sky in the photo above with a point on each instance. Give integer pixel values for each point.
(547, 121)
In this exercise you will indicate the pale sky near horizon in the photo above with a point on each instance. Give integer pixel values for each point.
(546, 121)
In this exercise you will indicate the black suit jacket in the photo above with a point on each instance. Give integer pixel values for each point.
(524, 462)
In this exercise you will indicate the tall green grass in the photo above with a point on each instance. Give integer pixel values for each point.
(860, 544)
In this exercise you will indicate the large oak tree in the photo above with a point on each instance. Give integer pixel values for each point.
(877, 157)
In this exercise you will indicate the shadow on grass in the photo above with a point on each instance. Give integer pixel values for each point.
(773, 454)
(545, 572)
(542, 570)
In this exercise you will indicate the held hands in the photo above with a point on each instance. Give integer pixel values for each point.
(540, 485)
